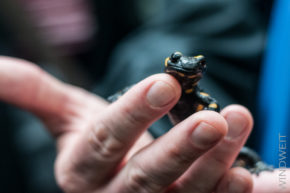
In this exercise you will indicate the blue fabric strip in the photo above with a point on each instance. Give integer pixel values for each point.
(274, 96)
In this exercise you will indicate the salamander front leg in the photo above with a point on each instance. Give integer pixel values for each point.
(211, 103)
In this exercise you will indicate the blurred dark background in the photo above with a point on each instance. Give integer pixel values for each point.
(105, 45)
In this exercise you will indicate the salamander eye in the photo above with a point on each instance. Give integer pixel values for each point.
(175, 56)
(199, 57)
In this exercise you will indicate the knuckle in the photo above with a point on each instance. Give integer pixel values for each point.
(181, 158)
(106, 146)
(138, 180)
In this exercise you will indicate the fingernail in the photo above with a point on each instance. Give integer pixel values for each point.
(237, 124)
(237, 185)
(160, 94)
(205, 136)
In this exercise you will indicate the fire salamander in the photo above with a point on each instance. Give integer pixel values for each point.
(188, 71)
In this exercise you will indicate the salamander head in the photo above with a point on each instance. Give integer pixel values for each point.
(182, 67)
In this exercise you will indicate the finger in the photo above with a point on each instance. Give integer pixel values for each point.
(22, 83)
(204, 175)
(144, 140)
(25, 85)
(102, 147)
(269, 182)
(236, 180)
(158, 165)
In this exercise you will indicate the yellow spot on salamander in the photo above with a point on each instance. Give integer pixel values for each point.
(178, 53)
(174, 72)
(204, 94)
(168, 71)
(181, 74)
(213, 105)
(189, 91)
(194, 84)
(192, 76)
(198, 56)
(199, 107)
(166, 61)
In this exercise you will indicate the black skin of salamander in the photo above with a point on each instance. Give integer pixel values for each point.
(188, 71)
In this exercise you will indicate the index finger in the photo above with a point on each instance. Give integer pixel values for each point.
(102, 147)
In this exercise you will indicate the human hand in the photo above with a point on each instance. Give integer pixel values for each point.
(99, 145)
